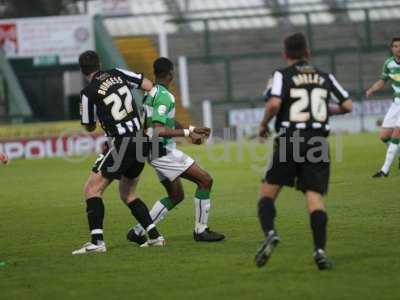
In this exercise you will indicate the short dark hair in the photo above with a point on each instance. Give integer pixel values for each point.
(162, 67)
(395, 39)
(296, 46)
(89, 62)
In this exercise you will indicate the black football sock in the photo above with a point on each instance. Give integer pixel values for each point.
(266, 214)
(141, 213)
(319, 221)
(95, 215)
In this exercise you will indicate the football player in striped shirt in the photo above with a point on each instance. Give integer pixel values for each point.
(108, 99)
(299, 100)
(390, 131)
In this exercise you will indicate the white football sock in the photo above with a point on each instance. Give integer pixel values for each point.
(390, 155)
(202, 211)
(388, 144)
(139, 230)
(157, 213)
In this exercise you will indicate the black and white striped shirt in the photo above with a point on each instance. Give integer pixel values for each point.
(108, 99)
(305, 92)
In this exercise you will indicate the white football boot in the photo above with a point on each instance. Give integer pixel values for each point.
(91, 248)
(158, 242)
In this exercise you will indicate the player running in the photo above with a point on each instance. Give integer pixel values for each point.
(390, 131)
(160, 116)
(108, 98)
(299, 99)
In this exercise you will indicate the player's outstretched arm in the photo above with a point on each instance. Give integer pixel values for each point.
(163, 131)
(87, 112)
(178, 125)
(136, 80)
(347, 106)
(272, 107)
(344, 105)
(205, 131)
(344, 108)
(377, 86)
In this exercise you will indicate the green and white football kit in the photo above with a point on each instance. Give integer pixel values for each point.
(391, 71)
(161, 109)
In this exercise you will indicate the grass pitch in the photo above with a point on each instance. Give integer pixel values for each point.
(42, 220)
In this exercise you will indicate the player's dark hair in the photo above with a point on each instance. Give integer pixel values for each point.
(162, 67)
(89, 62)
(296, 46)
(395, 39)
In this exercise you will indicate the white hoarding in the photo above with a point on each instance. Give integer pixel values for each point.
(65, 37)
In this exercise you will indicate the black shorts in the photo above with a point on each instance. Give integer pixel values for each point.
(121, 157)
(306, 166)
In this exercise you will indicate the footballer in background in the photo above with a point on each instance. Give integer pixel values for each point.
(390, 130)
(301, 149)
(161, 123)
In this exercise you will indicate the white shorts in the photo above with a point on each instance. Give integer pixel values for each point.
(392, 117)
(172, 165)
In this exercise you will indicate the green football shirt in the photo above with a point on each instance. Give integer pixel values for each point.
(391, 70)
(161, 109)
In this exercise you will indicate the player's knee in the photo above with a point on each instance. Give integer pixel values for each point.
(268, 190)
(385, 139)
(128, 197)
(176, 194)
(314, 201)
(90, 191)
(179, 196)
(385, 135)
(124, 197)
(315, 207)
(206, 182)
(396, 133)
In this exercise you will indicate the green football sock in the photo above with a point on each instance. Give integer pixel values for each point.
(202, 194)
(167, 202)
(158, 212)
